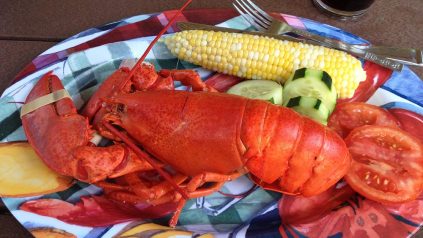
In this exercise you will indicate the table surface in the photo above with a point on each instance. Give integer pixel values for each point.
(27, 28)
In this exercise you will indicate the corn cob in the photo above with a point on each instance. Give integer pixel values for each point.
(258, 57)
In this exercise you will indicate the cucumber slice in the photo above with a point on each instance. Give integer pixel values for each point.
(310, 107)
(311, 83)
(259, 89)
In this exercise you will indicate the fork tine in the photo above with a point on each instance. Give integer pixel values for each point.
(249, 19)
(253, 13)
(260, 10)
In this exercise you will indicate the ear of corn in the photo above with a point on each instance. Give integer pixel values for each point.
(258, 57)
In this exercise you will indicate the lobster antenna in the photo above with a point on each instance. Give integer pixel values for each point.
(131, 73)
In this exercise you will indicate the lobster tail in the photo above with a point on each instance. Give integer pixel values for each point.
(330, 165)
(302, 161)
(288, 153)
(269, 143)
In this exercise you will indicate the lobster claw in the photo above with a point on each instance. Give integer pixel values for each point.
(47, 128)
(61, 137)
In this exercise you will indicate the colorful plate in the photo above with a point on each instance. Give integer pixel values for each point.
(87, 58)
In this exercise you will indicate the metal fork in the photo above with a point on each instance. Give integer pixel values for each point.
(264, 22)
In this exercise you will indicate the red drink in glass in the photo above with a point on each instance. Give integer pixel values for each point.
(344, 8)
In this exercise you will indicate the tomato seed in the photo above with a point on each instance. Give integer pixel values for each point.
(385, 182)
(360, 221)
(373, 217)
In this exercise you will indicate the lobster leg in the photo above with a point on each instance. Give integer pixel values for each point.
(187, 78)
(139, 190)
(156, 191)
(194, 191)
(131, 164)
(110, 187)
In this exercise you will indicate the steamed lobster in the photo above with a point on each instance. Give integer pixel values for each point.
(206, 137)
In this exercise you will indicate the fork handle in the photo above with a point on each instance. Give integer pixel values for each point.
(414, 55)
(332, 43)
(319, 38)
(380, 60)
(384, 61)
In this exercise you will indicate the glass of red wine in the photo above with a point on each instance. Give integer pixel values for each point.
(344, 9)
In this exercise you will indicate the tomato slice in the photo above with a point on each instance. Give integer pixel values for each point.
(410, 121)
(299, 209)
(387, 164)
(348, 116)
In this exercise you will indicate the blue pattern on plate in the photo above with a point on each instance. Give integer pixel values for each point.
(332, 32)
(406, 84)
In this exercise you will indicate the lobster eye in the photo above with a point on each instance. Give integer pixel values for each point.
(132, 89)
(120, 108)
